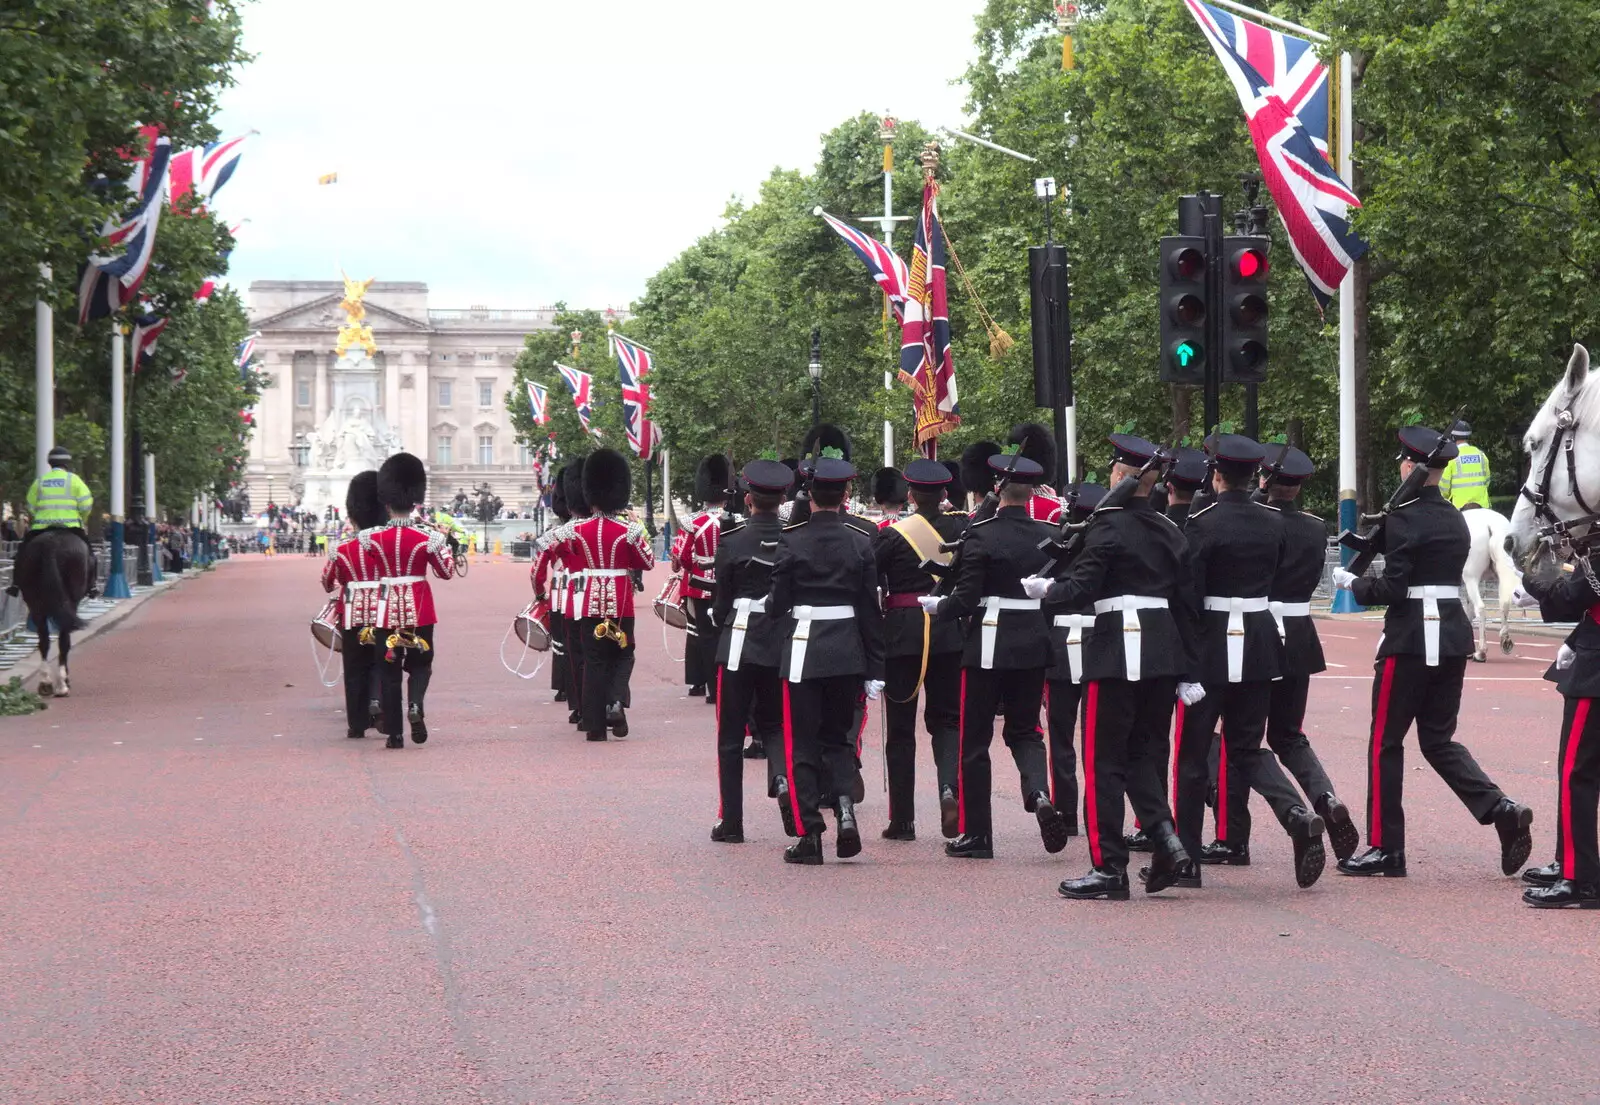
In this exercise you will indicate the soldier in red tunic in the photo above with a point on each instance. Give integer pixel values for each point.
(613, 554)
(351, 574)
(403, 629)
(890, 491)
(694, 555)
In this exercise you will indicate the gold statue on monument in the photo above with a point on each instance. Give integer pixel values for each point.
(354, 330)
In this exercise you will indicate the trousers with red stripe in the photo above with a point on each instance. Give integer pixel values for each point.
(819, 745)
(749, 697)
(1578, 805)
(1022, 690)
(1242, 708)
(1406, 689)
(1287, 739)
(1063, 702)
(1125, 748)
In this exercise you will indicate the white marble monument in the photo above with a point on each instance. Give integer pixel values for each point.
(354, 436)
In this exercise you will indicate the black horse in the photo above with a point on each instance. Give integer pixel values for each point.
(54, 571)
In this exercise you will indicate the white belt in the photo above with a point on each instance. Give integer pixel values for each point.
(992, 605)
(1132, 632)
(403, 579)
(350, 594)
(1282, 610)
(383, 595)
(803, 617)
(1430, 596)
(1075, 624)
(1236, 608)
(741, 622)
(602, 573)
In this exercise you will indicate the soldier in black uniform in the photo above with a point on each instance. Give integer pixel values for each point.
(825, 587)
(921, 654)
(1305, 544)
(560, 674)
(1133, 569)
(1235, 547)
(1186, 475)
(578, 510)
(1571, 596)
(1007, 650)
(1070, 630)
(1422, 660)
(749, 640)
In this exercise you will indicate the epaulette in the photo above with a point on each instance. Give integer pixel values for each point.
(1408, 502)
(795, 525)
(1169, 521)
(864, 532)
(1269, 506)
(735, 528)
(958, 514)
(1203, 510)
(1109, 509)
(982, 522)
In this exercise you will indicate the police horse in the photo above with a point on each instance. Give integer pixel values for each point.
(1490, 541)
(1562, 491)
(53, 572)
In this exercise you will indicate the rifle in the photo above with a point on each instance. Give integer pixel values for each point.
(1067, 543)
(1264, 493)
(1368, 545)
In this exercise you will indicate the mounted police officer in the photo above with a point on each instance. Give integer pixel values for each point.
(1466, 478)
(59, 499)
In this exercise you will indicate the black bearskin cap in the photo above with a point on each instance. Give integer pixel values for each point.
(888, 486)
(572, 484)
(824, 435)
(954, 490)
(402, 482)
(607, 480)
(976, 475)
(558, 494)
(712, 479)
(1037, 444)
(361, 503)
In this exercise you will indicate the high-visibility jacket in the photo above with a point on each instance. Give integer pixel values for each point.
(1466, 479)
(59, 498)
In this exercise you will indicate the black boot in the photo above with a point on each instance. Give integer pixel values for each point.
(355, 734)
(374, 714)
(1388, 862)
(617, 719)
(1548, 875)
(785, 807)
(1310, 857)
(419, 726)
(1563, 893)
(576, 717)
(1169, 860)
(560, 696)
(1137, 841)
(848, 841)
(971, 846)
(1221, 852)
(697, 691)
(395, 741)
(1110, 883)
(1512, 821)
(900, 830)
(1052, 826)
(1342, 832)
(807, 850)
(1188, 876)
(949, 813)
(756, 750)
(726, 831)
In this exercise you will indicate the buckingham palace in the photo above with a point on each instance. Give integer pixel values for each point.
(440, 384)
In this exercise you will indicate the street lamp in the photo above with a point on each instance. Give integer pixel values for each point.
(815, 368)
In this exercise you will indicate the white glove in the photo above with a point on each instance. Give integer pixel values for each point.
(1522, 600)
(1343, 579)
(1190, 693)
(1035, 587)
(874, 688)
(930, 603)
(1564, 658)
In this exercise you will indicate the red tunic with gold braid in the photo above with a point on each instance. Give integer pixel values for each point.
(608, 552)
(353, 572)
(1044, 507)
(694, 552)
(404, 555)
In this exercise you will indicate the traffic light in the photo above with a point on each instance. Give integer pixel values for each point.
(1244, 325)
(1183, 309)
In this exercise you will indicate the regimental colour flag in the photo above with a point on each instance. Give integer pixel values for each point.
(581, 384)
(634, 363)
(247, 350)
(109, 282)
(146, 330)
(203, 169)
(1273, 77)
(882, 262)
(925, 363)
(539, 401)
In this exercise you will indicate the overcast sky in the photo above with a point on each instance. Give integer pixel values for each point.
(516, 152)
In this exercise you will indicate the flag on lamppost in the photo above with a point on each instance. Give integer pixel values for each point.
(926, 366)
(538, 400)
(1280, 91)
(885, 265)
(247, 350)
(203, 169)
(634, 363)
(109, 282)
(581, 384)
(146, 330)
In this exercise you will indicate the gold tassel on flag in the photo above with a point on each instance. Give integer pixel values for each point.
(1000, 342)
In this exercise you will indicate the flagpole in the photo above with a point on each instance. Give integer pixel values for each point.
(1268, 17)
(44, 379)
(886, 133)
(117, 580)
(1343, 600)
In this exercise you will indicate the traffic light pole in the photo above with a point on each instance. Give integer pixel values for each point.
(1214, 336)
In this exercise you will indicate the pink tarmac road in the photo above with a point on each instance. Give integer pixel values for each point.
(210, 895)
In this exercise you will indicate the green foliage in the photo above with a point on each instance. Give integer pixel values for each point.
(17, 700)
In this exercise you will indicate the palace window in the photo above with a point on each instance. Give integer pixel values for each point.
(486, 449)
(486, 357)
(485, 393)
(446, 442)
(302, 392)
(524, 455)
(445, 397)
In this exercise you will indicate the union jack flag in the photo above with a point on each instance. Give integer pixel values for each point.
(538, 399)
(634, 363)
(247, 350)
(146, 330)
(581, 384)
(109, 283)
(203, 169)
(882, 262)
(1280, 84)
(925, 363)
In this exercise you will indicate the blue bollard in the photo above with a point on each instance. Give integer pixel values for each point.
(1343, 601)
(117, 579)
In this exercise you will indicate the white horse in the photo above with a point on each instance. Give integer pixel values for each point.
(1563, 446)
(1490, 530)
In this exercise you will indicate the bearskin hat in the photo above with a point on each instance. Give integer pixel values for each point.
(607, 480)
(888, 486)
(572, 484)
(361, 503)
(1037, 444)
(558, 494)
(954, 490)
(713, 479)
(824, 435)
(976, 475)
(402, 482)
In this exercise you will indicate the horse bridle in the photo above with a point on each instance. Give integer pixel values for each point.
(1561, 441)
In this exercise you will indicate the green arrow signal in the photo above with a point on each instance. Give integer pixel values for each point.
(1185, 353)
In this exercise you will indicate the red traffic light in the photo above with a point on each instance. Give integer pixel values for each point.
(1250, 264)
(1188, 263)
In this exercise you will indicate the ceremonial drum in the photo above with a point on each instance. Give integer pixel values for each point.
(533, 626)
(668, 605)
(325, 627)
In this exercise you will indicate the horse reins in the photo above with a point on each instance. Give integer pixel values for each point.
(1563, 441)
